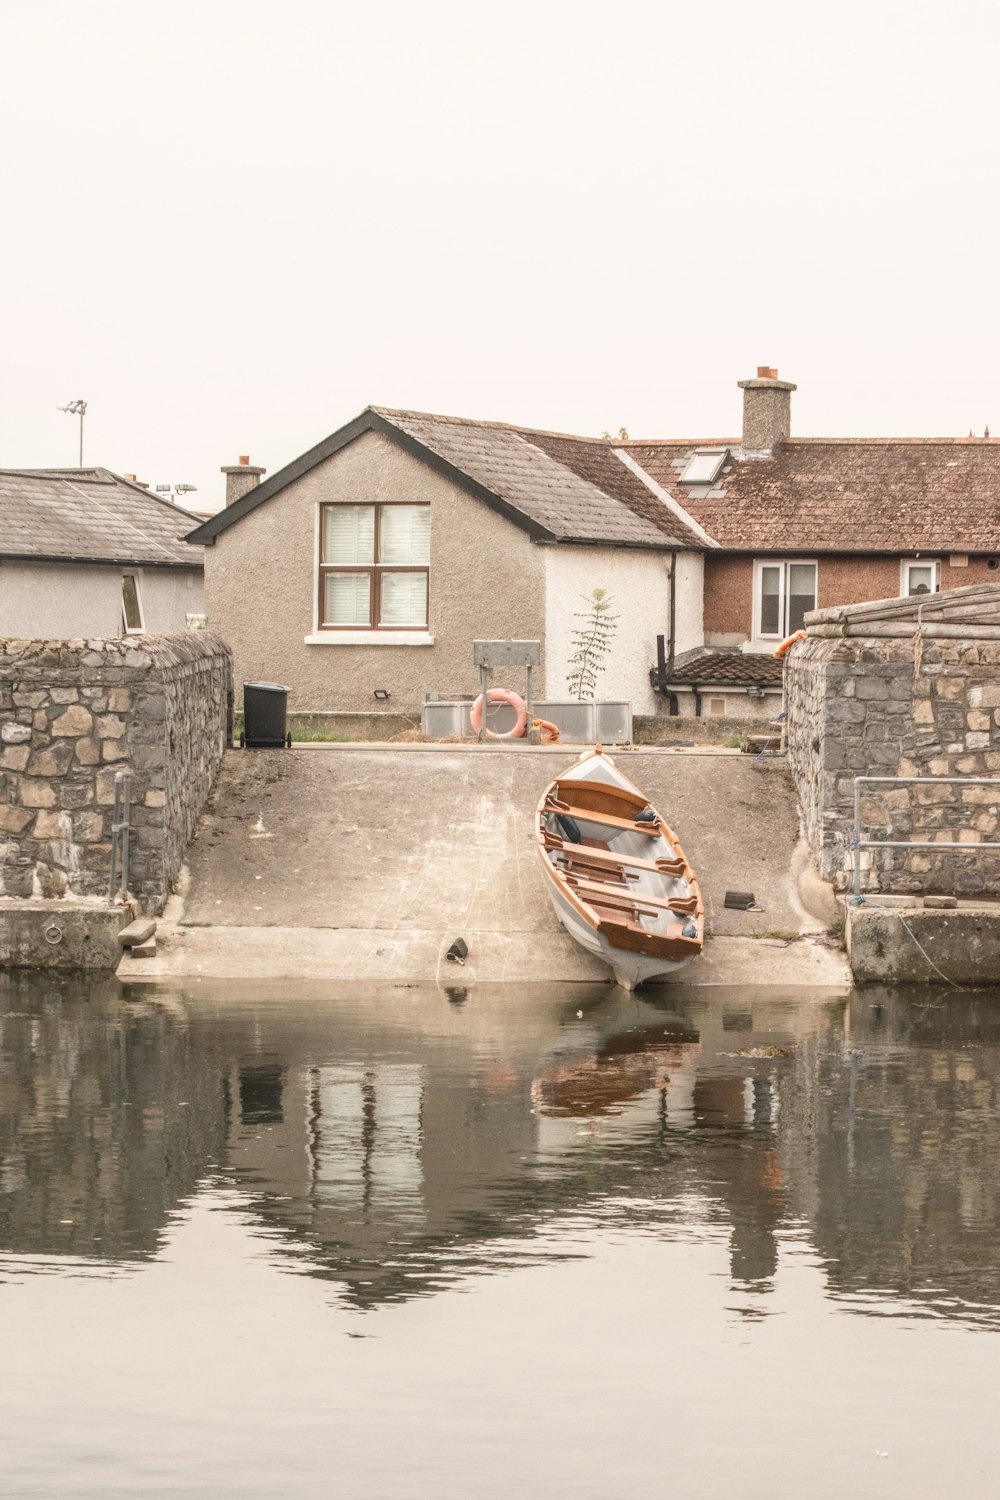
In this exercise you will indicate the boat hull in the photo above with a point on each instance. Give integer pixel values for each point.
(630, 969)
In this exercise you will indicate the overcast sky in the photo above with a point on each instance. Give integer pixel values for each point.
(230, 225)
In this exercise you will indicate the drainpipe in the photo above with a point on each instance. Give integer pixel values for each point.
(696, 690)
(665, 657)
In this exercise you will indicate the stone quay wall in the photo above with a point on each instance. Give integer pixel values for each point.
(859, 706)
(73, 714)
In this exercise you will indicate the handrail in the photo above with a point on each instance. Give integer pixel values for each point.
(858, 843)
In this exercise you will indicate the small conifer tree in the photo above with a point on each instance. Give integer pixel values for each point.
(592, 644)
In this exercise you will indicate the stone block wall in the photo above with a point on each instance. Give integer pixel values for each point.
(73, 714)
(905, 707)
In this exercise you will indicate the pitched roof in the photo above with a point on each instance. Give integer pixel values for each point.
(89, 515)
(557, 488)
(895, 495)
(728, 668)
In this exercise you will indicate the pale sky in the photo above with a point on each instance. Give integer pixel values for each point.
(231, 225)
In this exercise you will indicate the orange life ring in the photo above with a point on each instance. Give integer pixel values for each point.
(501, 695)
(550, 733)
(788, 643)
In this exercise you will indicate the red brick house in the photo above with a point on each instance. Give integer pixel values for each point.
(811, 523)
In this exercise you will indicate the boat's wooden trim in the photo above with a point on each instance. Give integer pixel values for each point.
(632, 938)
(608, 820)
(637, 898)
(598, 795)
(674, 867)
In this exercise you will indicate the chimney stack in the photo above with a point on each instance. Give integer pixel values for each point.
(240, 479)
(767, 412)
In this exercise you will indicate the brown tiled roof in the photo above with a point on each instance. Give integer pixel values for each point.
(575, 489)
(729, 669)
(89, 515)
(893, 495)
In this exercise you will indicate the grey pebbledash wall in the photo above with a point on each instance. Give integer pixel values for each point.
(72, 714)
(905, 707)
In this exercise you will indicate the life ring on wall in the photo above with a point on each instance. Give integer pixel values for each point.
(501, 695)
(550, 732)
(788, 643)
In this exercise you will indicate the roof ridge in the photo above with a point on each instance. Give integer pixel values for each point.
(431, 416)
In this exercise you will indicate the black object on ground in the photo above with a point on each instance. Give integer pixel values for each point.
(458, 952)
(740, 900)
(265, 716)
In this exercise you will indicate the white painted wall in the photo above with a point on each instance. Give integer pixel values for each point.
(690, 621)
(639, 583)
(70, 600)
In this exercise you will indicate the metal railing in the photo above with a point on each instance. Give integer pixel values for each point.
(858, 843)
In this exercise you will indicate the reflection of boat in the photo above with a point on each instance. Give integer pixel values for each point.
(618, 879)
(622, 1068)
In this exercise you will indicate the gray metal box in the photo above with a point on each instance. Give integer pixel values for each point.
(506, 653)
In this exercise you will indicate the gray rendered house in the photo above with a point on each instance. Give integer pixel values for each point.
(87, 554)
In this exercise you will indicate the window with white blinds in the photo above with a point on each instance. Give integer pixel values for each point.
(349, 534)
(374, 566)
(347, 599)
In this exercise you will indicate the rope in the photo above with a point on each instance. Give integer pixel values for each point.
(918, 642)
(862, 901)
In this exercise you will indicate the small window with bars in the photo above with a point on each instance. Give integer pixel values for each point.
(374, 567)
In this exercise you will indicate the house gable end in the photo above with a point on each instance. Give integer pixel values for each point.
(369, 421)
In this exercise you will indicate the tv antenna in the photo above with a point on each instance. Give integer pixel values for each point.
(77, 409)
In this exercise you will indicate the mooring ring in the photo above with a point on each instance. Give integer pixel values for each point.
(53, 928)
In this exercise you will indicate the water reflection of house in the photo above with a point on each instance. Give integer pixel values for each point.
(401, 1147)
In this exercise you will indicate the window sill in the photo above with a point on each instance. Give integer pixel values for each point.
(370, 638)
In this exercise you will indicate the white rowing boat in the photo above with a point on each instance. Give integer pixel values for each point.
(617, 876)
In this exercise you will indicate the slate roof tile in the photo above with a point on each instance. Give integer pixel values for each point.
(574, 489)
(895, 495)
(90, 515)
(729, 668)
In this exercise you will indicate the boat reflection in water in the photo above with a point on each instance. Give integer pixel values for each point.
(399, 1143)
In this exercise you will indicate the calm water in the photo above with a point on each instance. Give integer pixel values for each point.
(428, 1244)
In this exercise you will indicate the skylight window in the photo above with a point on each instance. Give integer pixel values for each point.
(703, 466)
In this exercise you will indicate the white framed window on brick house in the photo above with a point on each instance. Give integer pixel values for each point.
(919, 575)
(784, 591)
(374, 567)
(132, 622)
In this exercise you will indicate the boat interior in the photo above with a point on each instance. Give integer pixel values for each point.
(615, 854)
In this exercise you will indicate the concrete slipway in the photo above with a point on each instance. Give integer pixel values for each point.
(365, 863)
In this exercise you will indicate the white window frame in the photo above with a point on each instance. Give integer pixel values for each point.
(784, 563)
(906, 563)
(128, 629)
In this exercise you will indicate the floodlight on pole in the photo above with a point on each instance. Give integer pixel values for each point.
(173, 490)
(77, 409)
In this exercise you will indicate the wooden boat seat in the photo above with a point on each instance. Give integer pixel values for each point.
(633, 897)
(552, 841)
(606, 820)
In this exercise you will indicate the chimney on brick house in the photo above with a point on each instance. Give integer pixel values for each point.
(767, 412)
(240, 478)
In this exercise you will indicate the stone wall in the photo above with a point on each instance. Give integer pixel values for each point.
(906, 707)
(73, 714)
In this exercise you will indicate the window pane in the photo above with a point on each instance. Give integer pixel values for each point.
(770, 601)
(920, 580)
(404, 599)
(131, 613)
(348, 534)
(405, 534)
(347, 599)
(801, 593)
(703, 467)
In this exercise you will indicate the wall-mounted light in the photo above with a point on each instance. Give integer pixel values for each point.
(381, 694)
